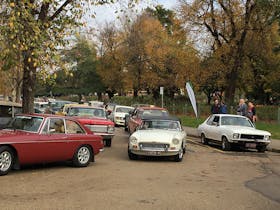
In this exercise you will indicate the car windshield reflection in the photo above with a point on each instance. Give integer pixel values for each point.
(236, 121)
(26, 123)
(160, 124)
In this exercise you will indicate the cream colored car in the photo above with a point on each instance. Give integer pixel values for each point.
(158, 136)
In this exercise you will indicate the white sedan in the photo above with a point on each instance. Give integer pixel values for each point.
(228, 130)
(118, 114)
(158, 136)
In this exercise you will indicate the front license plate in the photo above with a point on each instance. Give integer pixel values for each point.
(251, 145)
(153, 153)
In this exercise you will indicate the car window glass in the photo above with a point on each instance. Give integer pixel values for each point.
(46, 127)
(210, 120)
(73, 127)
(57, 125)
(216, 120)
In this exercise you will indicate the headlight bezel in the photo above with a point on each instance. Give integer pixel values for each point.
(236, 135)
(133, 140)
(175, 141)
(110, 129)
(266, 137)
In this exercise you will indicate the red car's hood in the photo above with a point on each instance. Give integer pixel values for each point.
(94, 120)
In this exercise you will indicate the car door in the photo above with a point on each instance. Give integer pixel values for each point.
(54, 141)
(215, 128)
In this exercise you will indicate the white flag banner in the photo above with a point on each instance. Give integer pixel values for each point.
(192, 97)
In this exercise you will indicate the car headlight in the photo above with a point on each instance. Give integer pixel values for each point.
(175, 141)
(236, 136)
(110, 129)
(266, 137)
(133, 140)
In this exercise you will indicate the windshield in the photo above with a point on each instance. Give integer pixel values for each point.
(26, 123)
(237, 121)
(154, 112)
(87, 112)
(123, 109)
(161, 124)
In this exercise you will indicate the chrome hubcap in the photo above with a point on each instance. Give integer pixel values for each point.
(83, 155)
(5, 161)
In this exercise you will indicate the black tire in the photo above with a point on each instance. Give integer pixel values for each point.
(132, 156)
(203, 139)
(108, 142)
(6, 160)
(180, 155)
(226, 146)
(83, 156)
(261, 149)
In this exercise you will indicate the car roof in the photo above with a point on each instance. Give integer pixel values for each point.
(230, 115)
(45, 115)
(161, 118)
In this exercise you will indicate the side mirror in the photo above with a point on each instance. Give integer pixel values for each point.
(215, 123)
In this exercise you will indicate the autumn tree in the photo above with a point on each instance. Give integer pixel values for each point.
(227, 23)
(35, 29)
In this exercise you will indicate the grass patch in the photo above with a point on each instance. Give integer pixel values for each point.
(272, 127)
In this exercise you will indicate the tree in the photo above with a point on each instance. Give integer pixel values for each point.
(227, 23)
(36, 29)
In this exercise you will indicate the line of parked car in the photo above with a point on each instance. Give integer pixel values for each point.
(78, 132)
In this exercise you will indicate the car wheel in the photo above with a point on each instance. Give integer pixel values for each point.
(132, 156)
(204, 140)
(108, 142)
(82, 156)
(180, 155)
(6, 160)
(225, 144)
(261, 148)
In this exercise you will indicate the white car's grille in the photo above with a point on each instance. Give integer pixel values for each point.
(250, 136)
(153, 146)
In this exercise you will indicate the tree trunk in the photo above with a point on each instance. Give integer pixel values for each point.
(28, 86)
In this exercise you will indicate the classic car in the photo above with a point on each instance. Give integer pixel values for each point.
(229, 130)
(95, 119)
(41, 138)
(118, 114)
(135, 119)
(158, 136)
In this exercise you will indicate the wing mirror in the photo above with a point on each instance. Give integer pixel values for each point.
(215, 123)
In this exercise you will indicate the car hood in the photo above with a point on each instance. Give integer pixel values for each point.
(94, 121)
(164, 136)
(245, 130)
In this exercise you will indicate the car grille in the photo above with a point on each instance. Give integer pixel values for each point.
(153, 146)
(98, 128)
(249, 136)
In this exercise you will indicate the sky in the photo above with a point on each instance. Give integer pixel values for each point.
(106, 13)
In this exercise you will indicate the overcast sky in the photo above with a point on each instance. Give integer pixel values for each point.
(106, 13)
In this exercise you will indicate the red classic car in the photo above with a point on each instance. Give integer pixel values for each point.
(41, 138)
(135, 119)
(95, 119)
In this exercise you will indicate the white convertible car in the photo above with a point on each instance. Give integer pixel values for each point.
(158, 136)
(228, 130)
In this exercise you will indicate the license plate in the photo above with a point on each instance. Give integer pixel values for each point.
(251, 145)
(153, 153)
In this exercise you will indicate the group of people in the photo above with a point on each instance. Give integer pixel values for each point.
(242, 109)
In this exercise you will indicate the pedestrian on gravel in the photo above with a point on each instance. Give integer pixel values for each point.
(242, 108)
(251, 114)
(215, 109)
(223, 108)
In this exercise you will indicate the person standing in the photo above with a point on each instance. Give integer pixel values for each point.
(215, 109)
(223, 108)
(242, 108)
(252, 112)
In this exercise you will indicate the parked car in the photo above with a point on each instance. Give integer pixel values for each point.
(135, 119)
(228, 130)
(95, 119)
(118, 114)
(8, 110)
(57, 105)
(41, 106)
(158, 136)
(41, 138)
